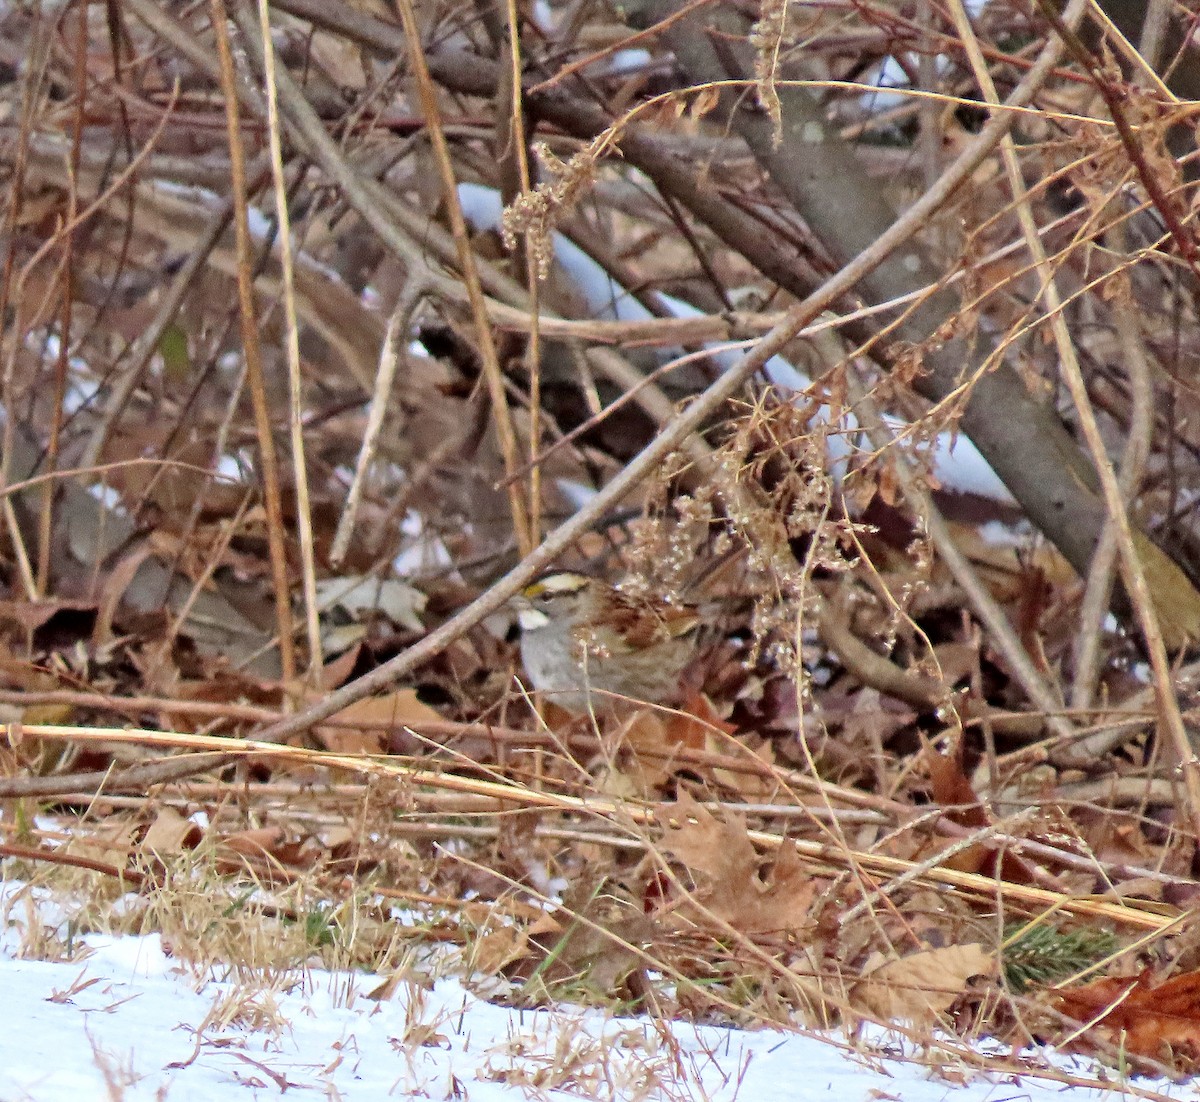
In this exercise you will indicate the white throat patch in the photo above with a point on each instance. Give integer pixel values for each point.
(531, 619)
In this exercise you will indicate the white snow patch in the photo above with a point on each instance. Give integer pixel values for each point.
(130, 1013)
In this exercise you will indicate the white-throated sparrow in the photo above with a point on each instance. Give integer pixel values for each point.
(585, 642)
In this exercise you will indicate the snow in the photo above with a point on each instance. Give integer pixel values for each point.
(130, 1021)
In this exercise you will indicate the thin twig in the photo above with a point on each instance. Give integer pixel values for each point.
(390, 354)
(505, 432)
(1098, 586)
(272, 493)
(303, 526)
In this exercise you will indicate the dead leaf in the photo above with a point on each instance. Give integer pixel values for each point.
(921, 985)
(357, 596)
(735, 885)
(721, 850)
(654, 738)
(113, 842)
(952, 789)
(363, 727)
(1162, 1022)
(256, 842)
(653, 744)
(498, 948)
(170, 835)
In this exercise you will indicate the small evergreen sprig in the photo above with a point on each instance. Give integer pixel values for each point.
(1044, 954)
